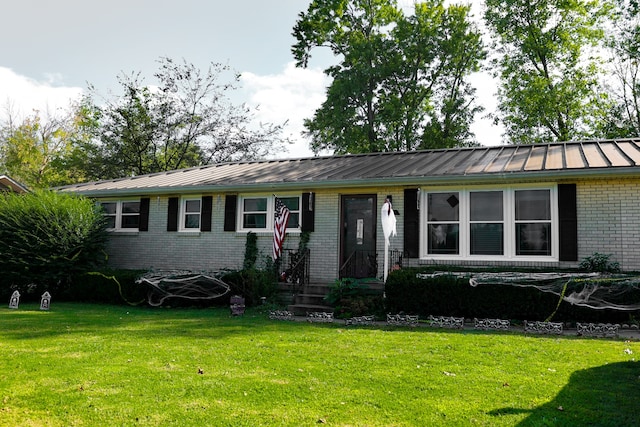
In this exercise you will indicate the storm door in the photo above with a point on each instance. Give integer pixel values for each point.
(358, 245)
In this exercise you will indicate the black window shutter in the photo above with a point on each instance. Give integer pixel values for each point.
(307, 212)
(207, 205)
(172, 215)
(568, 222)
(143, 225)
(411, 217)
(230, 206)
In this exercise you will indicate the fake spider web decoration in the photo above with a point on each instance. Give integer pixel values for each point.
(593, 290)
(182, 284)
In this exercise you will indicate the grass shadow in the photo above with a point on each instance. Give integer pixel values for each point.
(607, 395)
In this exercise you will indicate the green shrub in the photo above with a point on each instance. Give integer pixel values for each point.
(600, 263)
(46, 238)
(350, 297)
(253, 284)
(449, 295)
(106, 286)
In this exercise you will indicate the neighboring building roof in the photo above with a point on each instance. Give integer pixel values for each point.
(457, 165)
(8, 184)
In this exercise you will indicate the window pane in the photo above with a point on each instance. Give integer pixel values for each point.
(293, 203)
(486, 206)
(443, 206)
(294, 221)
(130, 221)
(111, 221)
(443, 239)
(192, 221)
(109, 207)
(192, 206)
(533, 239)
(254, 221)
(533, 205)
(255, 205)
(487, 239)
(130, 207)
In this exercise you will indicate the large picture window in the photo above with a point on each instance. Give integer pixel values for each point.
(122, 214)
(486, 223)
(443, 223)
(490, 223)
(533, 222)
(257, 213)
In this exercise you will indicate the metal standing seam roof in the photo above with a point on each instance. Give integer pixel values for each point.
(554, 160)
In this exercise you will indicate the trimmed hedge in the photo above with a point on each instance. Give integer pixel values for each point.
(448, 295)
(47, 238)
(107, 287)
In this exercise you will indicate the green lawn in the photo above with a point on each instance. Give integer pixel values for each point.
(92, 365)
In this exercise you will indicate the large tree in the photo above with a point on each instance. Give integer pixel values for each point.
(184, 119)
(44, 149)
(547, 67)
(401, 81)
(624, 44)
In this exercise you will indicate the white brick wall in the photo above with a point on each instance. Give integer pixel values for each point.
(608, 222)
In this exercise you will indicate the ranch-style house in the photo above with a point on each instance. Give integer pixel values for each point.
(547, 205)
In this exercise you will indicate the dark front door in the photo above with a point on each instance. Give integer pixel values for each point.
(358, 246)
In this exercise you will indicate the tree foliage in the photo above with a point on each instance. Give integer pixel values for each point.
(44, 150)
(624, 44)
(549, 89)
(185, 120)
(47, 237)
(402, 81)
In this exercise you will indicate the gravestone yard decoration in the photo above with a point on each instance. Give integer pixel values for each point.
(15, 300)
(237, 305)
(45, 301)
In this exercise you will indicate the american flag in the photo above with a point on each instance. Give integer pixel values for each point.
(279, 227)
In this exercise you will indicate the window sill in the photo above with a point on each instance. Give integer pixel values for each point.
(189, 233)
(267, 232)
(123, 232)
(514, 259)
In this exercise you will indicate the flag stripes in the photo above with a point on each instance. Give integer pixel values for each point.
(279, 227)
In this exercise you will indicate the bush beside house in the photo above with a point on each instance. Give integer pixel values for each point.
(449, 295)
(47, 238)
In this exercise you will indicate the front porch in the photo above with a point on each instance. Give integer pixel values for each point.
(302, 294)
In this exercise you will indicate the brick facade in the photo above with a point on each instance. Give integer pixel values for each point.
(609, 220)
(607, 211)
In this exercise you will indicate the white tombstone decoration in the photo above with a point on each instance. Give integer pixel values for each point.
(44, 302)
(15, 300)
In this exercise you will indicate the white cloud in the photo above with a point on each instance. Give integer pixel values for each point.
(292, 95)
(21, 95)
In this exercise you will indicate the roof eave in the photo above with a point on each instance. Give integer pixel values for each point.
(483, 178)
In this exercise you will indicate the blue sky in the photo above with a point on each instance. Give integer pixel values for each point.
(51, 50)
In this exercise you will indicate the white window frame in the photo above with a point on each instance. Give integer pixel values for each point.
(183, 214)
(270, 213)
(120, 213)
(509, 243)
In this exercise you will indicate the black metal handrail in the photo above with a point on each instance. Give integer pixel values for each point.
(293, 267)
(360, 264)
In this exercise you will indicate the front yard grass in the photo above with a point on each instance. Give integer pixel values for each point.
(94, 365)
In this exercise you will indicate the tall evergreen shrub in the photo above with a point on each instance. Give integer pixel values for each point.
(46, 238)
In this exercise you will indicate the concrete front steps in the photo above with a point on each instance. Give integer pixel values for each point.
(311, 298)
